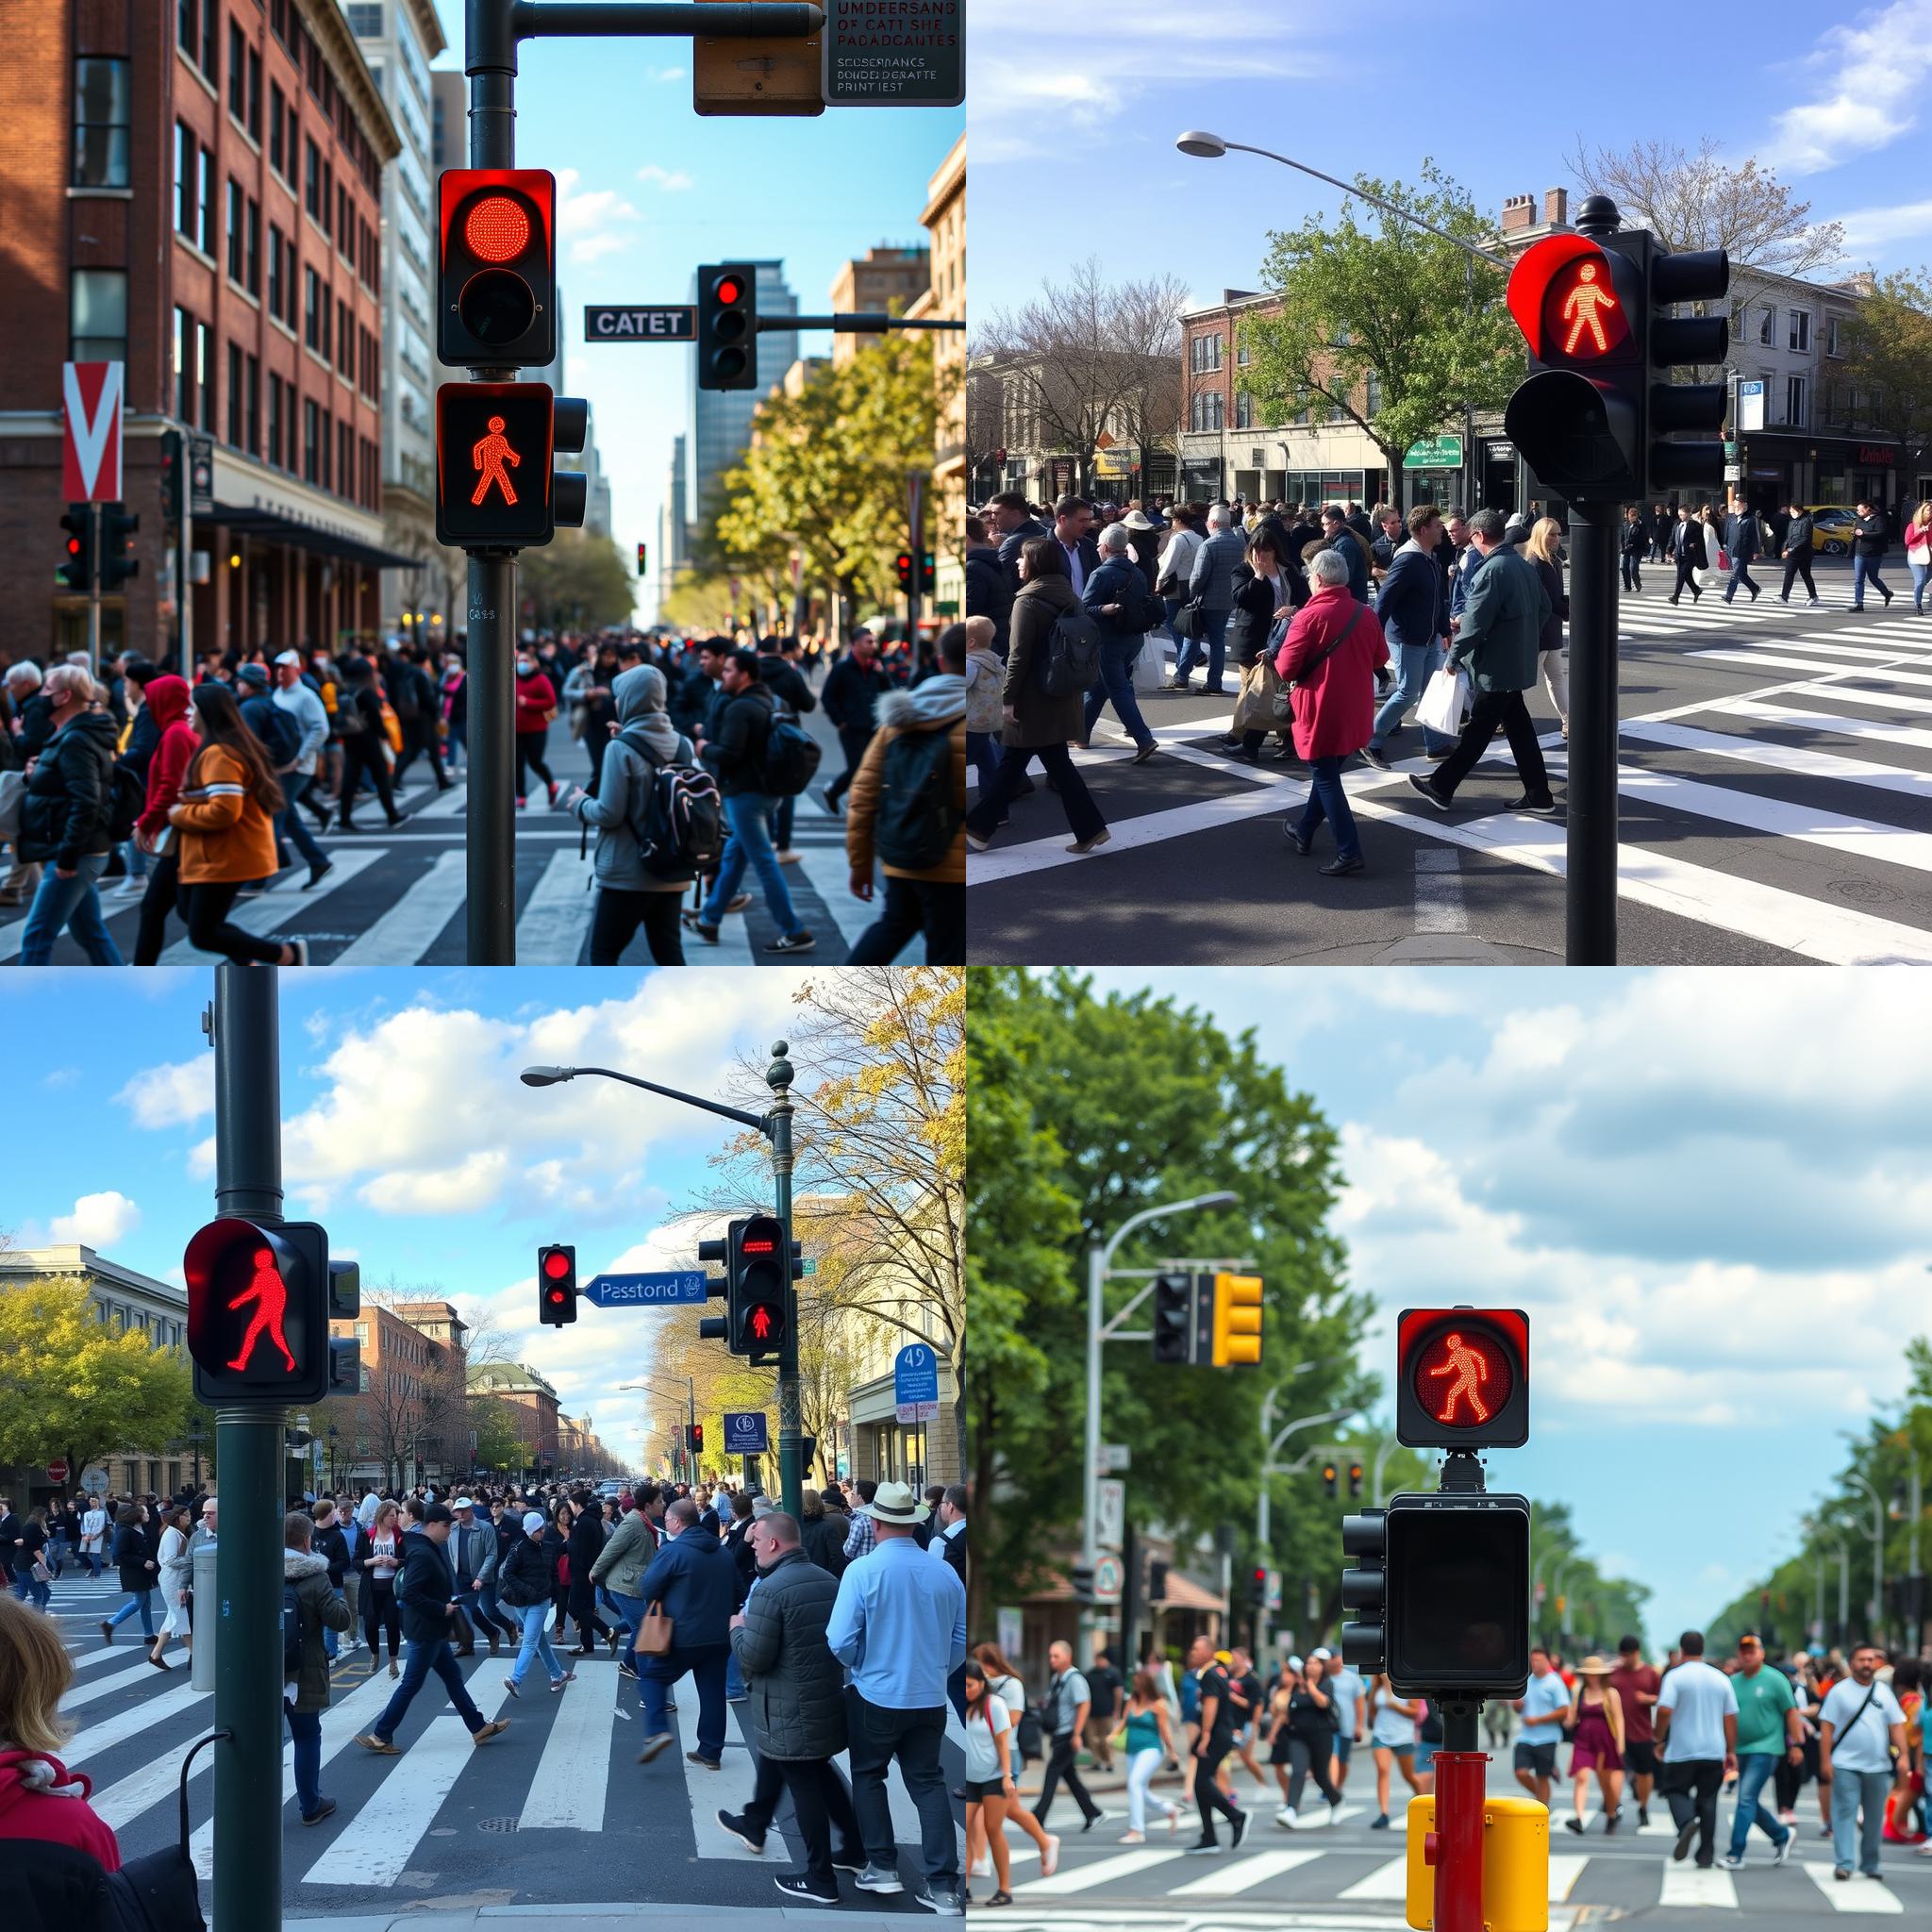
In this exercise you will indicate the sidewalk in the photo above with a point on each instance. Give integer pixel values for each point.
(597, 1918)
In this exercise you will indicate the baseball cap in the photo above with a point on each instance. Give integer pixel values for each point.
(463, 1503)
(533, 1519)
(1323, 1651)
(1294, 1663)
(251, 674)
(294, 658)
(1750, 1640)
(434, 1512)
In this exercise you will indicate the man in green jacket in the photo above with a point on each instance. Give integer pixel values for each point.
(620, 1567)
(1497, 639)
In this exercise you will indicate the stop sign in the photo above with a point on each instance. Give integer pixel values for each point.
(56, 1472)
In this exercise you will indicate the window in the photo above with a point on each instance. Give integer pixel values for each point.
(237, 74)
(97, 314)
(365, 19)
(328, 351)
(254, 116)
(204, 376)
(100, 124)
(210, 40)
(328, 481)
(311, 308)
(311, 194)
(207, 203)
(346, 339)
(184, 26)
(345, 458)
(252, 280)
(235, 393)
(1243, 410)
(328, 196)
(361, 1327)
(1800, 335)
(277, 154)
(184, 379)
(254, 444)
(184, 179)
(1795, 401)
(236, 223)
(1767, 321)
(274, 270)
(275, 419)
(311, 434)
(1834, 338)
(1240, 354)
(346, 227)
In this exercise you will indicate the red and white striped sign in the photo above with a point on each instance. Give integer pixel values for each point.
(91, 455)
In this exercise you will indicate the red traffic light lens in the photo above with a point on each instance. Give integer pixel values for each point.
(728, 290)
(556, 1297)
(1462, 1378)
(555, 1265)
(496, 229)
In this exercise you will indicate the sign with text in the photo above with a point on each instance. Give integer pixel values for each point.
(894, 52)
(644, 1291)
(639, 322)
(746, 1433)
(916, 1383)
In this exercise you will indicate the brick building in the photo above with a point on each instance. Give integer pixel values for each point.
(194, 189)
(410, 1419)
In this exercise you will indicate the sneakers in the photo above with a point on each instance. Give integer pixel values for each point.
(1206, 1848)
(799, 941)
(694, 924)
(1732, 1861)
(1782, 1851)
(510, 1684)
(1286, 1817)
(879, 1879)
(1374, 755)
(381, 1746)
(801, 1885)
(1682, 1848)
(656, 1742)
(1238, 1830)
(977, 843)
(743, 1830)
(1417, 783)
(1537, 807)
(943, 1899)
(495, 1728)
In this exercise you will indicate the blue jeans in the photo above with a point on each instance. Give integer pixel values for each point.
(749, 816)
(1328, 800)
(72, 904)
(630, 1613)
(536, 1641)
(305, 1728)
(1741, 573)
(1754, 1771)
(1117, 656)
(141, 1600)
(1415, 664)
(291, 823)
(24, 1586)
(983, 749)
(1214, 645)
(1920, 574)
(1851, 1790)
(1865, 571)
(135, 859)
(705, 1663)
(420, 1659)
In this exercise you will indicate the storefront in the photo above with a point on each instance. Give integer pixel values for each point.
(888, 1450)
(1780, 468)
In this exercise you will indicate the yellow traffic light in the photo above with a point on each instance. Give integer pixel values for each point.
(1236, 1320)
(1516, 1865)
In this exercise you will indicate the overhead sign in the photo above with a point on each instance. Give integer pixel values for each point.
(746, 1433)
(91, 447)
(1434, 453)
(637, 322)
(894, 52)
(916, 1383)
(644, 1291)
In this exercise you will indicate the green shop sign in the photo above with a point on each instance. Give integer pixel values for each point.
(1435, 453)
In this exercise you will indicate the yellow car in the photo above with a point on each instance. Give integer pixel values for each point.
(1833, 526)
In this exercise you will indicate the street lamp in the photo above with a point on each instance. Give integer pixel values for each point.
(1098, 1330)
(1877, 1552)
(1269, 1467)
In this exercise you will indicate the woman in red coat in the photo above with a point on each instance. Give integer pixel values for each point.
(40, 1798)
(1332, 652)
(536, 709)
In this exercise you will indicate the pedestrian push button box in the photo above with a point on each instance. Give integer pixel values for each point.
(1516, 1865)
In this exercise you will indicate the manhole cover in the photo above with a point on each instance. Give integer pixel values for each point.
(497, 1825)
(1865, 892)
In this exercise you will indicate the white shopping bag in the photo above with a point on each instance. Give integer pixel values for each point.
(1444, 702)
(1151, 669)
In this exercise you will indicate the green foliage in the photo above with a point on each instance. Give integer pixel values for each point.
(1598, 1608)
(577, 582)
(1888, 356)
(1390, 301)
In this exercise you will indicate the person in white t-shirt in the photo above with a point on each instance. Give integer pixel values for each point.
(1859, 1727)
(1697, 1735)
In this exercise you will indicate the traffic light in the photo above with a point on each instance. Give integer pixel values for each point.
(496, 268)
(927, 568)
(903, 563)
(117, 544)
(173, 476)
(1456, 1592)
(1173, 1318)
(557, 1286)
(718, 1286)
(641, 559)
(1258, 1588)
(1355, 1479)
(761, 1294)
(1081, 1579)
(77, 565)
(695, 1438)
(495, 485)
(1462, 1378)
(1236, 1341)
(727, 326)
(1694, 275)
(259, 1299)
(1329, 1480)
(345, 1305)
(1365, 1640)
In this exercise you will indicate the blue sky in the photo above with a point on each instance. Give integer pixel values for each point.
(405, 1132)
(1833, 97)
(1709, 1190)
(649, 189)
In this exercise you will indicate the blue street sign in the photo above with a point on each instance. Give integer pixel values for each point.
(916, 1375)
(644, 1291)
(746, 1433)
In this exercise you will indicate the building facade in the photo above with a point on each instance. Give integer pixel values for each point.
(529, 1405)
(408, 1421)
(194, 191)
(882, 281)
(944, 217)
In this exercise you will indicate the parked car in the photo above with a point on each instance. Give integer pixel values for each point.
(1833, 526)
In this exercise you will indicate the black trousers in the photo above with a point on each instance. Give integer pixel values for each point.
(380, 1613)
(163, 884)
(208, 928)
(1633, 560)
(1209, 1796)
(822, 1806)
(1491, 711)
(1691, 1789)
(1798, 566)
(1083, 815)
(530, 759)
(420, 740)
(364, 756)
(851, 742)
(878, 1736)
(913, 906)
(1306, 1758)
(619, 913)
(1060, 1767)
(1686, 575)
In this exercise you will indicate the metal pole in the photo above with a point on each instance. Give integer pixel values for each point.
(791, 1474)
(1845, 1592)
(1381, 1457)
(249, 1449)
(181, 562)
(1089, 1473)
(1262, 1503)
(1457, 1840)
(1591, 902)
(94, 592)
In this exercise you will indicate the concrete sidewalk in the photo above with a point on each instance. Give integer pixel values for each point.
(595, 1917)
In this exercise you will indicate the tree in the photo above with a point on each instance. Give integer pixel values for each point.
(1696, 201)
(1087, 359)
(1888, 359)
(576, 581)
(72, 1388)
(1390, 328)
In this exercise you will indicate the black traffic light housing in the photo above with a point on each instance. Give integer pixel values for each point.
(694, 1438)
(260, 1302)
(759, 1302)
(78, 561)
(1329, 1480)
(928, 568)
(556, 1285)
(1355, 1479)
(1173, 1318)
(1364, 1640)
(117, 544)
(1694, 275)
(1455, 1594)
(641, 559)
(345, 1305)
(173, 476)
(1462, 1378)
(903, 563)
(727, 326)
(496, 268)
(718, 1286)
(496, 484)
(1081, 1579)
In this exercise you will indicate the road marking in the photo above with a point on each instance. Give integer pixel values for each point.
(1243, 1875)
(1885, 700)
(1385, 1881)
(1103, 1872)
(1439, 906)
(824, 866)
(1566, 1868)
(445, 804)
(1793, 720)
(412, 924)
(261, 916)
(574, 1772)
(104, 1736)
(728, 1788)
(112, 1681)
(1784, 757)
(551, 926)
(1783, 663)
(1687, 1886)
(1854, 1894)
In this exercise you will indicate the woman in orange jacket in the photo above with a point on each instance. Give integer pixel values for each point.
(224, 823)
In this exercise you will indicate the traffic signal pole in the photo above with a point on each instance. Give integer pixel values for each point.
(1591, 840)
(791, 1434)
(247, 1616)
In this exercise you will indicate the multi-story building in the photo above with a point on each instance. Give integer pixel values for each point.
(944, 217)
(194, 191)
(1020, 416)
(409, 1419)
(673, 530)
(882, 281)
(399, 39)
(530, 1405)
(721, 419)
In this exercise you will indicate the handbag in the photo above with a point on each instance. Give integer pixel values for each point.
(655, 1632)
(1283, 705)
(1444, 701)
(1187, 620)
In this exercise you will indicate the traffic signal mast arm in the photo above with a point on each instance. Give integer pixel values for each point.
(859, 322)
(504, 23)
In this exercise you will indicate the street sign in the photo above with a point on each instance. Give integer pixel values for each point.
(1734, 472)
(639, 322)
(1115, 1457)
(56, 1471)
(916, 1383)
(875, 56)
(1750, 405)
(201, 476)
(1434, 453)
(1109, 1574)
(746, 1433)
(91, 446)
(644, 1291)
(1111, 1518)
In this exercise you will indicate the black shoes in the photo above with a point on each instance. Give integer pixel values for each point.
(1342, 868)
(1417, 783)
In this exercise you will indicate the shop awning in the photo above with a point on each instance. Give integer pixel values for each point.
(1184, 1593)
(275, 528)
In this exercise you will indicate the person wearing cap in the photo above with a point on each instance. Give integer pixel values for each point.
(899, 1626)
(425, 1596)
(473, 1558)
(1697, 1729)
(1636, 1685)
(523, 1589)
(693, 1580)
(1769, 1729)
(294, 696)
(1598, 1747)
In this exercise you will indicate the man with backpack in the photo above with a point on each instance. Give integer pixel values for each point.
(908, 813)
(758, 755)
(1118, 600)
(779, 669)
(414, 699)
(853, 687)
(313, 1613)
(283, 738)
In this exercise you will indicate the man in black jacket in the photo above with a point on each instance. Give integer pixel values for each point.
(1797, 553)
(988, 592)
(778, 670)
(64, 816)
(418, 707)
(365, 748)
(1867, 547)
(1016, 524)
(426, 1595)
(853, 687)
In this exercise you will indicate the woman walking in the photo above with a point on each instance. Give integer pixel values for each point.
(524, 1588)
(536, 710)
(1599, 1743)
(990, 1791)
(1149, 1743)
(1919, 554)
(379, 1567)
(1311, 1722)
(1264, 600)
(1544, 550)
(176, 1570)
(1003, 1681)
(93, 1532)
(138, 1568)
(32, 1575)
(1392, 1735)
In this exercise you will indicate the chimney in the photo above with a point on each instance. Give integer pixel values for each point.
(1555, 208)
(1519, 211)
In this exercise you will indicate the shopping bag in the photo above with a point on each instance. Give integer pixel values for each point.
(1150, 668)
(1444, 701)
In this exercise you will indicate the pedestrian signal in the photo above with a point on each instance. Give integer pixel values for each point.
(727, 326)
(1462, 1378)
(760, 1293)
(1236, 1320)
(259, 1306)
(1364, 1640)
(1456, 1593)
(494, 450)
(557, 1286)
(496, 269)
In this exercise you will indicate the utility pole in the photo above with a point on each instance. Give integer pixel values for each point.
(915, 515)
(778, 1130)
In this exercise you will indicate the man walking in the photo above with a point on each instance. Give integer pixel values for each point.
(1697, 1725)
(1544, 1708)
(1767, 1728)
(1636, 1685)
(853, 687)
(1859, 1727)
(1413, 608)
(1686, 547)
(1068, 1704)
(1797, 553)
(693, 1580)
(474, 1550)
(1210, 584)
(899, 1626)
(1741, 539)
(1213, 1739)
(426, 1597)
(1497, 635)
(1867, 547)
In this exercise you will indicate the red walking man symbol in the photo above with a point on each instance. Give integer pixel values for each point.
(489, 457)
(1469, 1366)
(271, 1297)
(1582, 303)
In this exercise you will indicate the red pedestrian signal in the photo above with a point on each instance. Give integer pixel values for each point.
(759, 1293)
(496, 267)
(494, 454)
(557, 1286)
(1462, 1379)
(258, 1308)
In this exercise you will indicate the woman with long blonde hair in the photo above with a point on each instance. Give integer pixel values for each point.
(1544, 551)
(43, 1799)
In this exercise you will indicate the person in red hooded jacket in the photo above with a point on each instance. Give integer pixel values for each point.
(40, 1798)
(536, 707)
(1331, 654)
(167, 703)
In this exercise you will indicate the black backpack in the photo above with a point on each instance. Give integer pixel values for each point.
(126, 801)
(282, 736)
(791, 754)
(919, 811)
(1071, 661)
(292, 1632)
(680, 831)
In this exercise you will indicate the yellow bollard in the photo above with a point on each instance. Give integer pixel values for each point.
(1516, 1865)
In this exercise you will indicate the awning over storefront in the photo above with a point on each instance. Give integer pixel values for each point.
(275, 528)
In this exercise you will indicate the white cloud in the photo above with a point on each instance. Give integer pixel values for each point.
(173, 1095)
(1867, 231)
(1871, 78)
(98, 1221)
(473, 1182)
(671, 180)
(592, 220)
(670, 74)
(595, 247)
